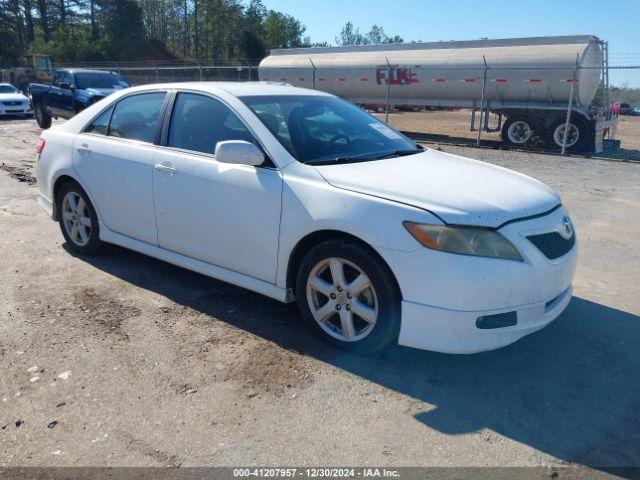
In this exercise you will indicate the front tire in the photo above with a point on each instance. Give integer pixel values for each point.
(517, 131)
(349, 297)
(42, 117)
(78, 220)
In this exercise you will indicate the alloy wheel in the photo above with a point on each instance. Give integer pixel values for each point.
(76, 219)
(342, 299)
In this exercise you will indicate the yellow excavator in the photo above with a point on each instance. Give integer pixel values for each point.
(36, 68)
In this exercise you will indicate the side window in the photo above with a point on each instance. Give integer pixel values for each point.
(100, 125)
(58, 78)
(136, 117)
(68, 78)
(199, 122)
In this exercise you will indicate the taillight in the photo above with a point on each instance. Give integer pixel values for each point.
(41, 144)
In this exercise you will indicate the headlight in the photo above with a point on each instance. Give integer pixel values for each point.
(480, 242)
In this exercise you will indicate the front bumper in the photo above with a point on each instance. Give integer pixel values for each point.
(452, 331)
(444, 294)
(46, 204)
(16, 110)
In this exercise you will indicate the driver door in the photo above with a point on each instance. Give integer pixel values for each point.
(53, 94)
(65, 104)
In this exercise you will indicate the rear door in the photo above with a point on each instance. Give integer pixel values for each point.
(114, 159)
(226, 215)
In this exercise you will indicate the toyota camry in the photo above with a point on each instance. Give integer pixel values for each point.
(302, 196)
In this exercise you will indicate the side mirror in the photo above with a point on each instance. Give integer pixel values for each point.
(65, 85)
(239, 152)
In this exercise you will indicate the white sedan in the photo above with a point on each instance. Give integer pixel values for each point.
(13, 102)
(301, 196)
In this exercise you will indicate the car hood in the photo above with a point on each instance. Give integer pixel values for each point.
(100, 91)
(13, 97)
(459, 190)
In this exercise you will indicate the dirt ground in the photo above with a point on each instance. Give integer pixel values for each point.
(124, 360)
(453, 127)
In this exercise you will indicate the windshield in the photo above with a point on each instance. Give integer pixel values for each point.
(99, 80)
(320, 129)
(7, 89)
(43, 63)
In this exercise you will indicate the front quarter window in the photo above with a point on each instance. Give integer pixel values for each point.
(324, 129)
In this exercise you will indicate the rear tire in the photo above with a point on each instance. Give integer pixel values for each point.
(579, 134)
(78, 220)
(42, 117)
(349, 297)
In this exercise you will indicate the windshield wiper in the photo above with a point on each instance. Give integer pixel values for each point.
(399, 153)
(334, 161)
(395, 153)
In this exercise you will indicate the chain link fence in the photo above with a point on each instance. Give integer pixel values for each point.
(564, 110)
(144, 73)
(558, 109)
(535, 114)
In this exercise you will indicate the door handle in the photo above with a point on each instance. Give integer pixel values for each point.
(84, 148)
(165, 168)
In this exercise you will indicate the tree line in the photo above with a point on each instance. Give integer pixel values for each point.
(220, 31)
(350, 35)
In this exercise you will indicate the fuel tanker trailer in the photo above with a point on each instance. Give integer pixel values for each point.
(522, 87)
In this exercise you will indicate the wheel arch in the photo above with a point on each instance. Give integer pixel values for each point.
(309, 241)
(58, 184)
(542, 115)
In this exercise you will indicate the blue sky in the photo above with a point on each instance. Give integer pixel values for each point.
(617, 21)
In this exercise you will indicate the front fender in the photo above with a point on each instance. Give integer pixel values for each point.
(310, 204)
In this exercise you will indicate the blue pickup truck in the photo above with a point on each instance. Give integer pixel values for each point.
(71, 91)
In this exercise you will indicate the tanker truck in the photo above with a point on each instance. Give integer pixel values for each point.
(521, 87)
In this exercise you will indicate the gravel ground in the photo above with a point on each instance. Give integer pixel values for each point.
(124, 360)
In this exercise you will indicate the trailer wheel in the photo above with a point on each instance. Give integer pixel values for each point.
(42, 117)
(577, 137)
(517, 131)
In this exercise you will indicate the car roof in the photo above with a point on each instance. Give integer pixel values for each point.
(238, 89)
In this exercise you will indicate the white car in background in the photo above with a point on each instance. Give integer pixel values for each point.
(13, 102)
(299, 195)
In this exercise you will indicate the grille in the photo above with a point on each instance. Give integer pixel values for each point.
(553, 245)
(12, 103)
